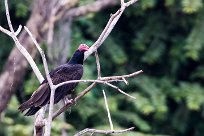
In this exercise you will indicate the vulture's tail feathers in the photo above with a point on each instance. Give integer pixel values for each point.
(37, 100)
(32, 111)
(25, 105)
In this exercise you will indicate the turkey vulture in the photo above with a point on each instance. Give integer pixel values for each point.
(73, 70)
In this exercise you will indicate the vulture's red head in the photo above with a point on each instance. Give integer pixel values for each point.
(78, 56)
(83, 47)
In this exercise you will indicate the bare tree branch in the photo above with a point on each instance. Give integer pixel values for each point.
(98, 65)
(108, 111)
(113, 86)
(120, 77)
(39, 122)
(122, 2)
(103, 80)
(104, 94)
(86, 81)
(109, 27)
(9, 33)
(126, 82)
(92, 131)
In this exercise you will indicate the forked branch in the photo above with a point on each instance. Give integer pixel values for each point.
(92, 131)
(109, 27)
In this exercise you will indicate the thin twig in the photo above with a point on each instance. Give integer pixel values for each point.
(5, 31)
(39, 122)
(18, 30)
(92, 131)
(123, 76)
(98, 64)
(108, 111)
(127, 4)
(9, 33)
(122, 2)
(113, 86)
(126, 82)
(85, 81)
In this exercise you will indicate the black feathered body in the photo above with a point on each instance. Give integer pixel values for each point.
(73, 70)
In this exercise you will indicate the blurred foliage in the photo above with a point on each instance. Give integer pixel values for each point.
(164, 38)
